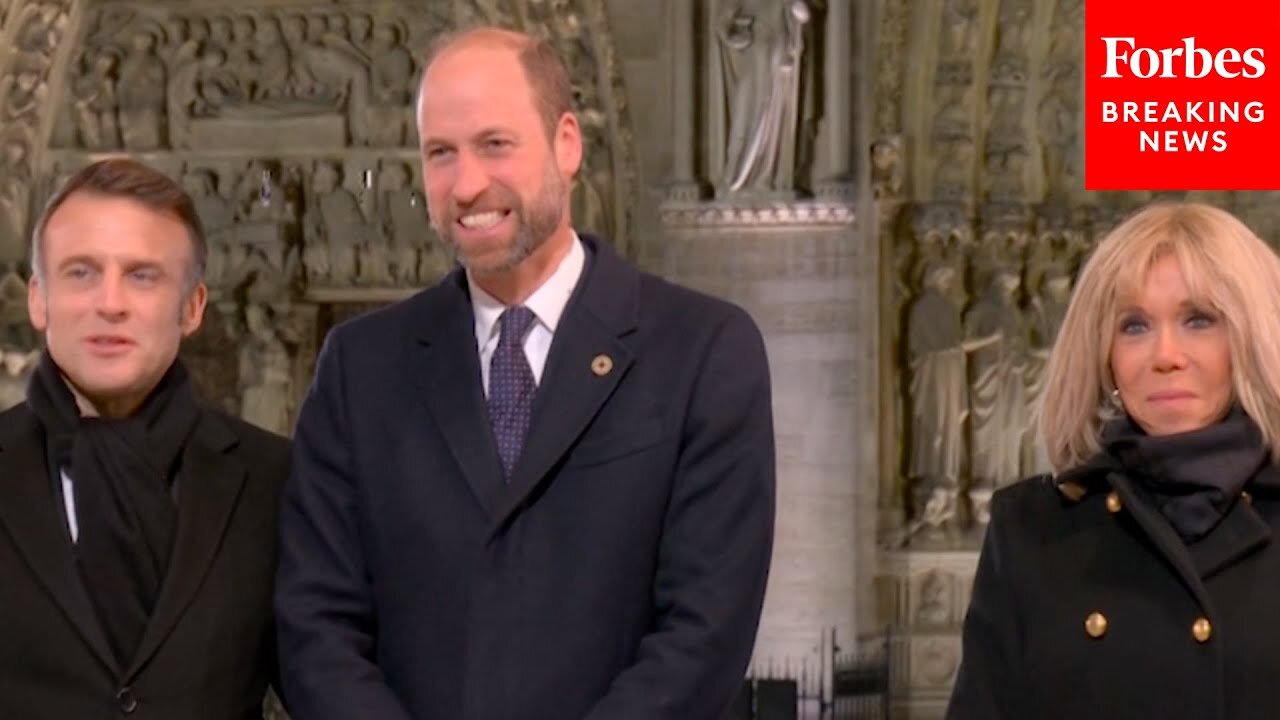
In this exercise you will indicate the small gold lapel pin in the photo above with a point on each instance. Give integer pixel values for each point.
(601, 365)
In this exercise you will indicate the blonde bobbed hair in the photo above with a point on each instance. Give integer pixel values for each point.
(1226, 267)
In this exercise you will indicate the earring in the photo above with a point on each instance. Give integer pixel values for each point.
(1115, 399)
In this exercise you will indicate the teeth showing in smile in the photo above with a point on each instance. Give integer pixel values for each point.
(479, 221)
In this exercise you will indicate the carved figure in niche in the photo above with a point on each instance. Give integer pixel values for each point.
(998, 339)
(590, 207)
(268, 215)
(266, 376)
(955, 117)
(390, 78)
(272, 61)
(339, 27)
(761, 49)
(38, 35)
(302, 77)
(1006, 168)
(217, 216)
(317, 26)
(886, 167)
(361, 27)
(25, 93)
(15, 198)
(953, 173)
(240, 50)
(142, 98)
(938, 392)
(1047, 309)
(1012, 34)
(405, 224)
(935, 600)
(335, 217)
(1059, 136)
(93, 94)
(959, 28)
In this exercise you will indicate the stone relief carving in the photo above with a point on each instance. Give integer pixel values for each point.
(982, 300)
(762, 50)
(266, 371)
(36, 30)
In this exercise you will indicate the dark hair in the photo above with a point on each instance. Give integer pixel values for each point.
(544, 68)
(126, 178)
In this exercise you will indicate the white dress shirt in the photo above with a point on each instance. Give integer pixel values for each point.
(69, 505)
(547, 303)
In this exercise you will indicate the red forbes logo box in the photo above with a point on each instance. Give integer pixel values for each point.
(1182, 95)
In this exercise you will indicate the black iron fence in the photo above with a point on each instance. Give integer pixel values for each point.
(839, 685)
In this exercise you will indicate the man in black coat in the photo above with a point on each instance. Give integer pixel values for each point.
(542, 489)
(137, 524)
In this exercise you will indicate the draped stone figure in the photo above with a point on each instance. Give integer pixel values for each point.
(16, 365)
(265, 376)
(998, 340)
(939, 401)
(1047, 309)
(761, 48)
(142, 96)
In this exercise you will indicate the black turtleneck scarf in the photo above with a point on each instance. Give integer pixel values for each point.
(122, 473)
(1193, 477)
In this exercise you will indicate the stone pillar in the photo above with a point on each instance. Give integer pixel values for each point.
(681, 15)
(799, 270)
(838, 111)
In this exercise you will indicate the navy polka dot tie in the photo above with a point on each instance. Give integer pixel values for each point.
(511, 387)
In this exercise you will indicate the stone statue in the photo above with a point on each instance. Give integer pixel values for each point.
(25, 93)
(15, 197)
(273, 62)
(935, 599)
(959, 28)
(16, 365)
(1047, 309)
(142, 98)
(938, 390)
(217, 216)
(336, 219)
(761, 49)
(266, 376)
(1059, 138)
(406, 227)
(94, 103)
(998, 339)
(390, 79)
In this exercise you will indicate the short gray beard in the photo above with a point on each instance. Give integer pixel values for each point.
(537, 222)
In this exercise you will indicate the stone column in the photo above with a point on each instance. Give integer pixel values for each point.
(798, 269)
(683, 183)
(837, 89)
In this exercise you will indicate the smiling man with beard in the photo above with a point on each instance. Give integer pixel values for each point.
(543, 488)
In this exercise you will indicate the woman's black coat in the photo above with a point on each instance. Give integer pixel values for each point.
(1181, 631)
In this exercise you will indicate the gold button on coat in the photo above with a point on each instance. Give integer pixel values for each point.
(1201, 630)
(1096, 624)
(1113, 502)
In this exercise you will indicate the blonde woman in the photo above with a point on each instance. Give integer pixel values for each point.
(1142, 580)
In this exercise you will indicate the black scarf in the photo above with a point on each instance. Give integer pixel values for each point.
(122, 473)
(1192, 477)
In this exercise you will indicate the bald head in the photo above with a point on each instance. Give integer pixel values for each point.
(544, 70)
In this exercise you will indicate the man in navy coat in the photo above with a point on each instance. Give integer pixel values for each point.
(542, 489)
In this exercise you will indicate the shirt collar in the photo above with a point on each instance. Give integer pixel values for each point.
(547, 302)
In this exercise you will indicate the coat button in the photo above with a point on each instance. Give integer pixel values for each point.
(1096, 624)
(1201, 630)
(1113, 502)
(127, 700)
